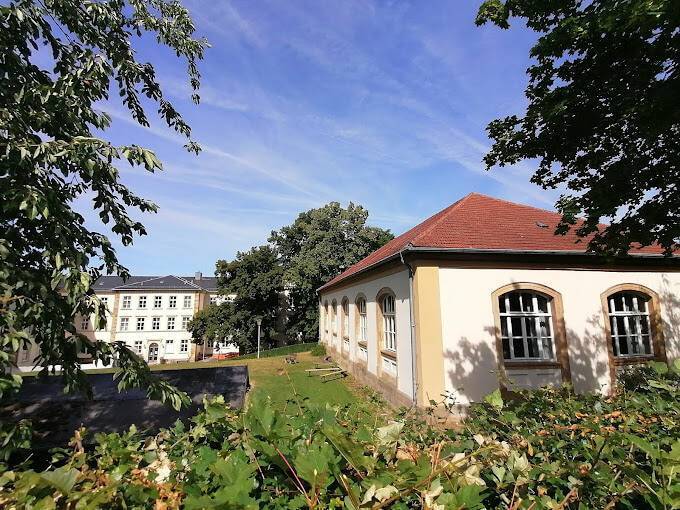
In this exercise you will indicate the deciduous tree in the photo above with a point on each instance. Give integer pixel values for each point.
(316, 247)
(602, 119)
(59, 59)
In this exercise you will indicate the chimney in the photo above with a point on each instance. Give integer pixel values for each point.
(198, 276)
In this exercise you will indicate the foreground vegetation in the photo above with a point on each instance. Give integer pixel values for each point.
(547, 449)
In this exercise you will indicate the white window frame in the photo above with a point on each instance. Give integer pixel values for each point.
(141, 302)
(170, 346)
(334, 318)
(171, 323)
(172, 302)
(85, 323)
(632, 319)
(140, 322)
(389, 314)
(185, 321)
(138, 346)
(127, 302)
(362, 334)
(186, 303)
(124, 323)
(184, 345)
(545, 343)
(155, 323)
(213, 300)
(157, 302)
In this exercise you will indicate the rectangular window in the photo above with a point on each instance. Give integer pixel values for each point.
(169, 346)
(157, 301)
(362, 334)
(126, 302)
(184, 345)
(187, 301)
(363, 353)
(156, 323)
(213, 300)
(389, 365)
(105, 302)
(185, 321)
(138, 346)
(141, 302)
(172, 302)
(629, 324)
(140, 323)
(171, 323)
(124, 323)
(85, 324)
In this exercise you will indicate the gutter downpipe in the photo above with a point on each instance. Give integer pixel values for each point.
(414, 365)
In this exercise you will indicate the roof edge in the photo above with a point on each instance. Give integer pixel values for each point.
(479, 251)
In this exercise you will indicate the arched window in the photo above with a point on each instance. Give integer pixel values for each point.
(345, 324)
(325, 317)
(389, 323)
(526, 320)
(389, 332)
(334, 317)
(629, 324)
(362, 329)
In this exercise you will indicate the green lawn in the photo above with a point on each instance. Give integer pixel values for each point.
(279, 381)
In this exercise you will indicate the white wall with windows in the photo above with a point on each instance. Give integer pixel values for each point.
(527, 323)
(378, 338)
(157, 318)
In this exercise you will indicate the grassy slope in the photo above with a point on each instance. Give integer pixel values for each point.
(268, 377)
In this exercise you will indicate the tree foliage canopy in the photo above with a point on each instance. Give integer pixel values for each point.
(255, 278)
(602, 117)
(278, 282)
(59, 59)
(316, 247)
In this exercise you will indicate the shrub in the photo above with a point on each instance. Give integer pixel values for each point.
(547, 449)
(318, 350)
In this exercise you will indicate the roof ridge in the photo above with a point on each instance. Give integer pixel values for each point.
(506, 201)
(438, 217)
(135, 283)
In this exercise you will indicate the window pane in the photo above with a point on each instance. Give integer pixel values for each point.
(628, 302)
(527, 302)
(506, 348)
(530, 325)
(514, 302)
(516, 323)
(642, 304)
(620, 326)
(501, 304)
(623, 346)
(518, 344)
(644, 323)
(646, 345)
(533, 347)
(548, 349)
(545, 326)
(542, 304)
(504, 326)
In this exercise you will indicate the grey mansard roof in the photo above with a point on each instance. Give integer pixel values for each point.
(169, 282)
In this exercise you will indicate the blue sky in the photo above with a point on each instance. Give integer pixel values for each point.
(380, 103)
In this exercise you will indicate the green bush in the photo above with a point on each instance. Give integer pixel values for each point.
(318, 350)
(548, 449)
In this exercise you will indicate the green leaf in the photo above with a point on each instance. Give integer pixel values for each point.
(495, 400)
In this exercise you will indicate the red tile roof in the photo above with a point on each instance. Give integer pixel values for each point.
(480, 222)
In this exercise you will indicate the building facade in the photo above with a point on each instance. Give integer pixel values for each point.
(150, 314)
(483, 296)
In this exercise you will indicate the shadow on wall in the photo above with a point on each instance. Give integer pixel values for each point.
(472, 370)
(670, 304)
(588, 357)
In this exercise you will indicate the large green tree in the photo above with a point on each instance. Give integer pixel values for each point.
(316, 247)
(255, 279)
(59, 59)
(602, 119)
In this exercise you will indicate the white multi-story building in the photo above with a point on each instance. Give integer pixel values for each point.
(151, 314)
